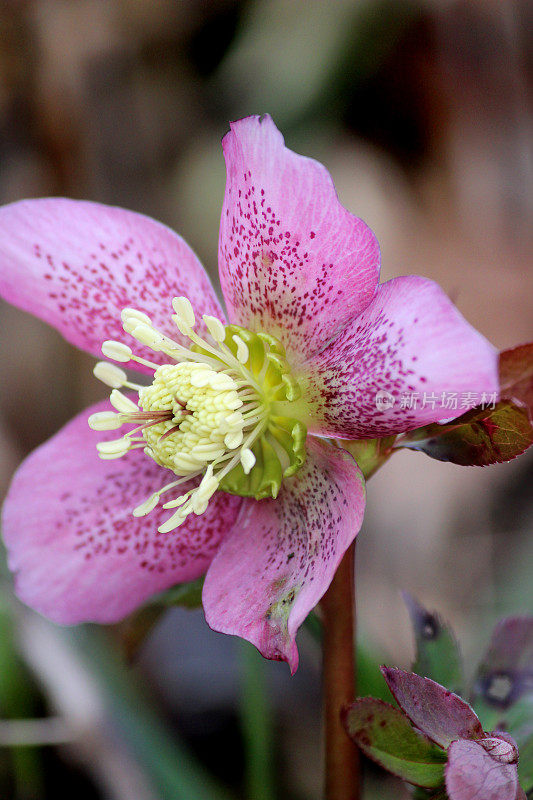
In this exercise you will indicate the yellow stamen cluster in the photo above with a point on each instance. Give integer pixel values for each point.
(199, 417)
(205, 421)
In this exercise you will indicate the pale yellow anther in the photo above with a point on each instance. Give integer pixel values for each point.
(243, 354)
(104, 421)
(204, 492)
(185, 463)
(234, 403)
(221, 382)
(234, 419)
(110, 374)
(130, 324)
(179, 501)
(199, 504)
(183, 308)
(173, 522)
(117, 351)
(114, 446)
(233, 439)
(208, 488)
(247, 460)
(132, 314)
(122, 403)
(215, 328)
(194, 365)
(183, 328)
(200, 379)
(144, 508)
(207, 450)
(145, 334)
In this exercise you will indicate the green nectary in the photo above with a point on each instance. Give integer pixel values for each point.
(280, 449)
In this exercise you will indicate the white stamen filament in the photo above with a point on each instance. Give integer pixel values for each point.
(245, 446)
(229, 358)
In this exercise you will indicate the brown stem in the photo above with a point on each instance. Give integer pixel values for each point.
(338, 608)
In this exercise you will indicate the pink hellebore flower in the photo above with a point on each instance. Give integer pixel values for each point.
(243, 414)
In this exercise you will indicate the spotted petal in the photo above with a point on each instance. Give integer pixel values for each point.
(282, 554)
(76, 265)
(401, 364)
(78, 553)
(292, 260)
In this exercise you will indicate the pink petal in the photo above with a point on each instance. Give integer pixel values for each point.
(282, 554)
(76, 265)
(471, 774)
(411, 343)
(292, 260)
(78, 552)
(437, 712)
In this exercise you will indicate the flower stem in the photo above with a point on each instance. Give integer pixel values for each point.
(338, 610)
(257, 727)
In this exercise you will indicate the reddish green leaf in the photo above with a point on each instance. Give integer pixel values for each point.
(516, 375)
(437, 712)
(480, 437)
(472, 773)
(386, 736)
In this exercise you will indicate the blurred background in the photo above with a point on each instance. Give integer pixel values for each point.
(422, 112)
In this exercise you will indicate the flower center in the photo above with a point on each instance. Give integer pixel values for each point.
(217, 413)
